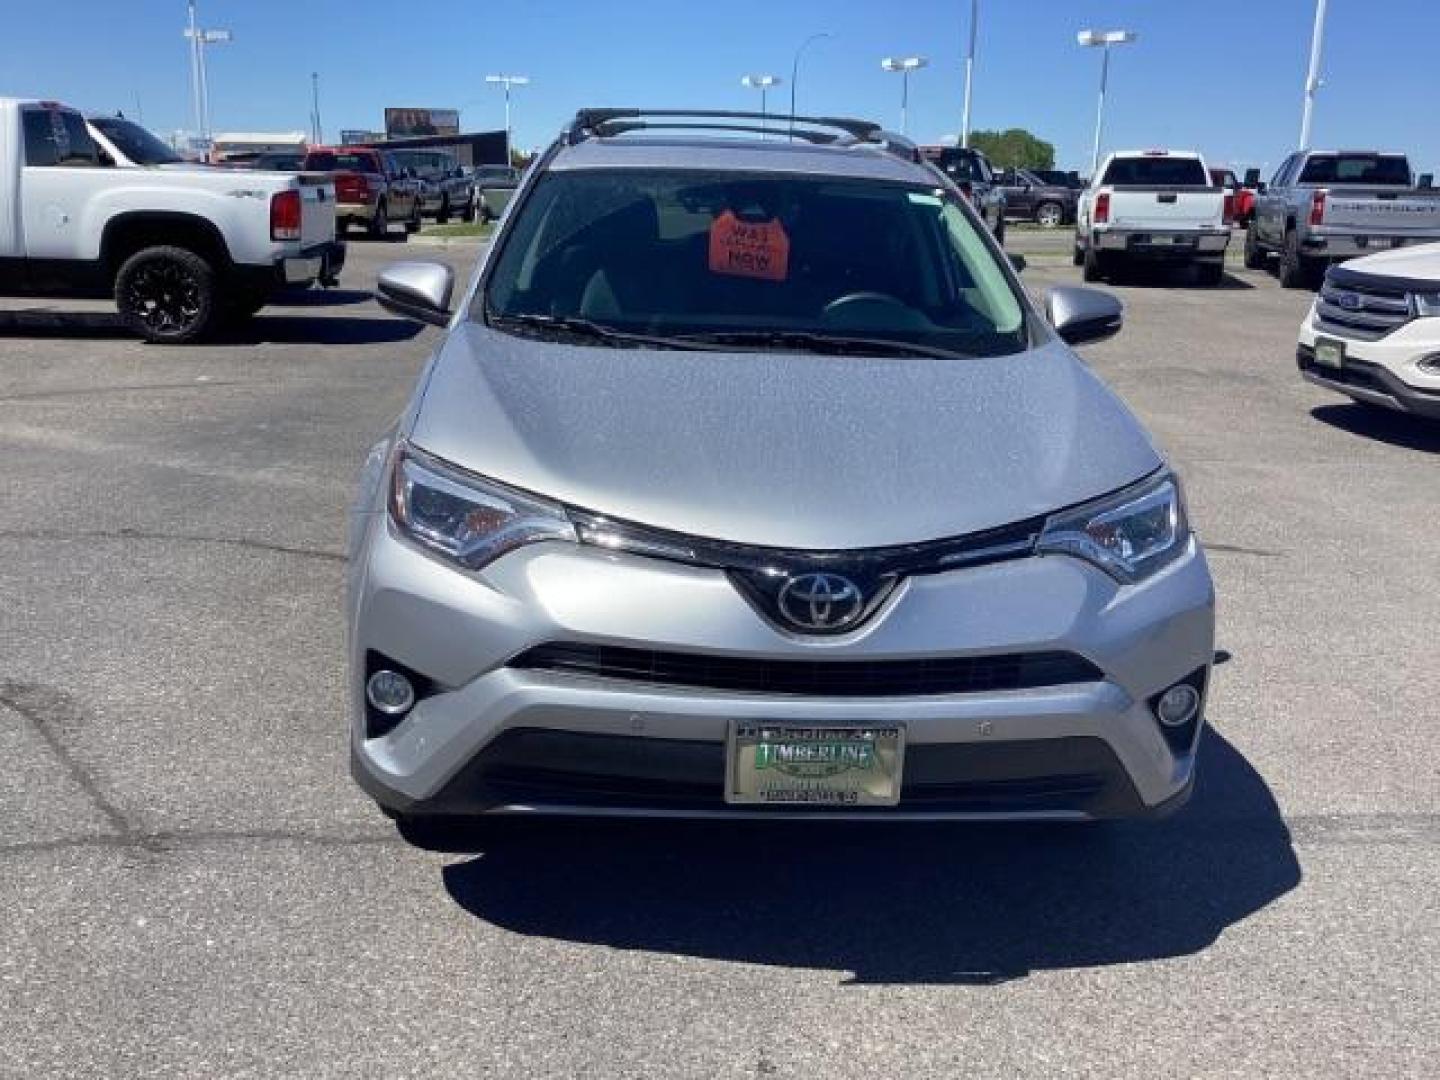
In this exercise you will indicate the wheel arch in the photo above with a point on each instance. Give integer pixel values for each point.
(135, 230)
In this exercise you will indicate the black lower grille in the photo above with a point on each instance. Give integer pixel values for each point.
(828, 678)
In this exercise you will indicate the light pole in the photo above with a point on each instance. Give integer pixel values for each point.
(904, 65)
(508, 81)
(199, 82)
(969, 72)
(315, 128)
(1102, 39)
(795, 72)
(763, 83)
(1312, 77)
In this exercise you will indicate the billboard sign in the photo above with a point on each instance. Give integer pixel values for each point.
(410, 123)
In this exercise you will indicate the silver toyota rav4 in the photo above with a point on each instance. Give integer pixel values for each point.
(747, 480)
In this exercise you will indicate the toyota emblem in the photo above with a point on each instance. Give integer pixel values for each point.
(821, 601)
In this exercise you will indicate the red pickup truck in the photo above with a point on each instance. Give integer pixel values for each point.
(1239, 198)
(371, 188)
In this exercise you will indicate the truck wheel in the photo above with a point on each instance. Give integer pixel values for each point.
(379, 223)
(1211, 274)
(166, 295)
(413, 225)
(1077, 257)
(1050, 215)
(1094, 268)
(1296, 271)
(469, 214)
(1254, 257)
(442, 216)
(1000, 230)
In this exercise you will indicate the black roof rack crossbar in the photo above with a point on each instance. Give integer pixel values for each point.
(620, 127)
(589, 121)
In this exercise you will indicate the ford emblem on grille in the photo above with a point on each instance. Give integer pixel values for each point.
(821, 601)
(1350, 301)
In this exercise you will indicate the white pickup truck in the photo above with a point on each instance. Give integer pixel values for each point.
(1155, 205)
(179, 249)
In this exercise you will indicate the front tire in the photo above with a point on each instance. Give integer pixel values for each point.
(379, 223)
(442, 216)
(166, 295)
(1254, 256)
(1049, 215)
(1296, 271)
(1094, 268)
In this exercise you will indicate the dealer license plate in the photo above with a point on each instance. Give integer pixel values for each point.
(1329, 353)
(784, 764)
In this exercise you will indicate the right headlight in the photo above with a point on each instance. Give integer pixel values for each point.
(466, 519)
(1130, 534)
(1427, 304)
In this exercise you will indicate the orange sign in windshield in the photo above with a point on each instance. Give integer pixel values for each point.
(753, 249)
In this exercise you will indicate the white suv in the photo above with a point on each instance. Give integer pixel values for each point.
(1374, 331)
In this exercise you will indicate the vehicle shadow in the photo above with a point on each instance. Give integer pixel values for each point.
(1170, 277)
(263, 328)
(1385, 425)
(311, 298)
(896, 903)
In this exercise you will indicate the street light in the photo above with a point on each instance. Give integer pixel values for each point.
(904, 65)
(508, 81)
(1102, 39)
(763, 83)
(316, 130)
(969, 71)
(1313, 81)
(199, 82)
(795, 72)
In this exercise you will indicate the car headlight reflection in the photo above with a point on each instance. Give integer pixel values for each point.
(1130, 535)
(464, 518)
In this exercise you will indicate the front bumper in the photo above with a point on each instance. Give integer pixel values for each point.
(1385, 371)
(493, 736)
(1163, 243)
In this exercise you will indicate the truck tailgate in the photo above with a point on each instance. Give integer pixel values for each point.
(1382, 211)
(317, 208)
(1166, 208)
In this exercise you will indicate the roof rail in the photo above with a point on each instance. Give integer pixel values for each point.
(594, 123)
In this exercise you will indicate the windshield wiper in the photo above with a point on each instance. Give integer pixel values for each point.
(821, 342)
(571, 324)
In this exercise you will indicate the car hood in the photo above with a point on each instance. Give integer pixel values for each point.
(1419, 263)
(791, 450)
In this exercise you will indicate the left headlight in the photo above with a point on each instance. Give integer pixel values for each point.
(1130, 535)
(464, 518)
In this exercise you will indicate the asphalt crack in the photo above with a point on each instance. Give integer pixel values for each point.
(189, 538)
(46, 709)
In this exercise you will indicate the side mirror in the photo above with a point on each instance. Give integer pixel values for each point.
(1018, 262)
(417, 290)
(1081, 315)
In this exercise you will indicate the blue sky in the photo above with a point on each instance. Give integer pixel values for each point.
(1222, 77)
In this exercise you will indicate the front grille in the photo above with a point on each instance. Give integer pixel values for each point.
(822, 678)
(1374, 311)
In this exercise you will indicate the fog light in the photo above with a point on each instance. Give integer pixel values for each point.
(1178, 705)
(390, 692)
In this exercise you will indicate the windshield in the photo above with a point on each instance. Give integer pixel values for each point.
(135, 142)
(1156, 172)
(675, 254)
(1357, 169)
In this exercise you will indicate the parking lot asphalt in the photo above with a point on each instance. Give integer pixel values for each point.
(193, 887)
